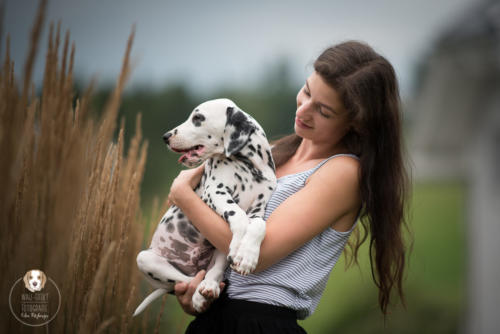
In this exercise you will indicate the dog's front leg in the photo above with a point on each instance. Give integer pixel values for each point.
(209, 288)
(226, 207)
(247, 256)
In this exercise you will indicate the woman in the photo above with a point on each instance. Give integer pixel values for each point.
(344, 162)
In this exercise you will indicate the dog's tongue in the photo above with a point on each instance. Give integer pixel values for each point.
(191, 153)
(182, 158)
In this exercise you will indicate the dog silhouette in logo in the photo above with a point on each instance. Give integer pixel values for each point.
(34, 280)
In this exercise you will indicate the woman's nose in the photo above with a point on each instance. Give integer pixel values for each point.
(303, 109)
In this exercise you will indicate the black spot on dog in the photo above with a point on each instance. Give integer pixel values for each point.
(233, 144)
(230, 201)
(270, 161)
(192, 235)
(209, 136)
(180, 215)
(256, 173)
(261, 196)
(220, 185)
(198, 119)
(153, 277)
(187, 231)
(175, 131)
(182, 225)
(170, 228)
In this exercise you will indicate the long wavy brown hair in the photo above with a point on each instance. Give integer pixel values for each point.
(367, 85)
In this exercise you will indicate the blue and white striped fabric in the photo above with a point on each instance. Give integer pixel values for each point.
(297, 281)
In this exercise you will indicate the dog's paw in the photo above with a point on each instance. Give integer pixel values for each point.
(199, 302)
(209, 289)
(246, 259)
(233, 249)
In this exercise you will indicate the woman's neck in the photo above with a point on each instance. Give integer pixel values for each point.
(309, 150)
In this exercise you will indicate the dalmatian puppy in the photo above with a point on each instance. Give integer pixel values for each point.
(34, 280)
(238, 179)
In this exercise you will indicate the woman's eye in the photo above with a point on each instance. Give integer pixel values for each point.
(322, 113)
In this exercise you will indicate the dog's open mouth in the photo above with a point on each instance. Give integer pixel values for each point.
(189, 153)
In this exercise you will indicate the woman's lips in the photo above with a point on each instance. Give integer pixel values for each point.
(302, 125)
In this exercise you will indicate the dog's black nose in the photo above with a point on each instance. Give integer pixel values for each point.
(166, 136)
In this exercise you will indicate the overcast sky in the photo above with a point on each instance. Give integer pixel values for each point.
(208, 44)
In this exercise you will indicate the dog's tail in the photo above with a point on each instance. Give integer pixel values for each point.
(149, 299)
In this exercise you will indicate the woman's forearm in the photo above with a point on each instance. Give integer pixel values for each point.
(207, 221)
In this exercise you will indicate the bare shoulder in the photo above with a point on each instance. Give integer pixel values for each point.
(341, 169)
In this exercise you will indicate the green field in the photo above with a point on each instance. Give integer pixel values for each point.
(435, 279)
(434, 285)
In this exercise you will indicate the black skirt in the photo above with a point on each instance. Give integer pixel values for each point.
(227, 315)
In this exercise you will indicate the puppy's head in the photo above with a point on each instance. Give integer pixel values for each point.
(34, 280)
(214, 127)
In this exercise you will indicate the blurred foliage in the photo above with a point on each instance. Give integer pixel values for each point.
(435, 285)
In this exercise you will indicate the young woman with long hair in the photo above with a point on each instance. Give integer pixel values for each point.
(343, 164)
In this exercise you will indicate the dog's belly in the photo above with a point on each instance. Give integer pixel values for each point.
(177, 240)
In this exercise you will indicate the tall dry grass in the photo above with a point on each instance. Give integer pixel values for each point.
(70, 194)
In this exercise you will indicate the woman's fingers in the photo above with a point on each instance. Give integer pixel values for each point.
(184, 292)
(180, 288)
(196, 280)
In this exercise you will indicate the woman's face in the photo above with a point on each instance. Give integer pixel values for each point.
(321, 116)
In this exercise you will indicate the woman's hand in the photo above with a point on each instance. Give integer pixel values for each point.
(185, 182)
(184, 292)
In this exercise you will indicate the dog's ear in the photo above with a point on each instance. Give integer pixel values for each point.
(44, 278)
(237, 131)
(26, 278)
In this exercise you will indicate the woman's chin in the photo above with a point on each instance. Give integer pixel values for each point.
(299, 132)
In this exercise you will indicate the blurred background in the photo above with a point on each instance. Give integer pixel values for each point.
(447, 58)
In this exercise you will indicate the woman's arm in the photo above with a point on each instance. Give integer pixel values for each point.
(329, 199)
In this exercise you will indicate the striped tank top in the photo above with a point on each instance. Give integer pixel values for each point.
(298, 280)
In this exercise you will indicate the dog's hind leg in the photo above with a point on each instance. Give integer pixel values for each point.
(209, 288)
(159, 272)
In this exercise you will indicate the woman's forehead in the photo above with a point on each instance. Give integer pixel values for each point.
(323, 92)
